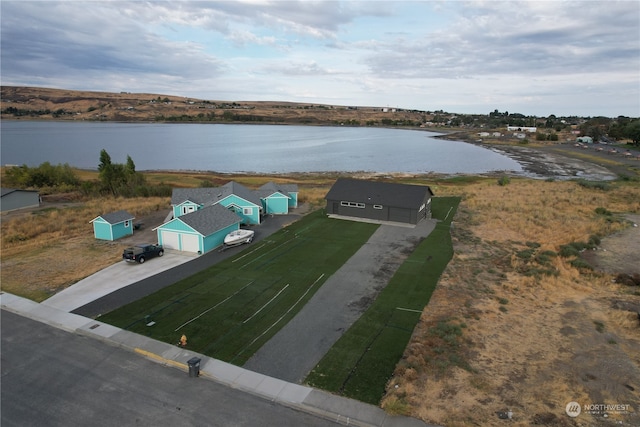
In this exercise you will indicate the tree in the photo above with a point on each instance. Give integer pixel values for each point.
(632, 131)
(130, 167)
(107, 172)
(119, 179)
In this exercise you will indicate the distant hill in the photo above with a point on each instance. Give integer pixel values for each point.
(35, 103)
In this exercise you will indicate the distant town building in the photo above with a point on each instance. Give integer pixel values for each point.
(530, 129)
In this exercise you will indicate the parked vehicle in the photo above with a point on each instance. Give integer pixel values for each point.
(141, 253)
(238, 237)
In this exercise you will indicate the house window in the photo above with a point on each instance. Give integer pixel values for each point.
(377, 206)
(126, 224)
(352, 205)
(188, 209)
(247, 211)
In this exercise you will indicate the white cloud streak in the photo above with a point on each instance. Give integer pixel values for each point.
(540, 57)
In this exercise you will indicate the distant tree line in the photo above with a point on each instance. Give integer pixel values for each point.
(114, 179)
(44, 176)
(20, 112)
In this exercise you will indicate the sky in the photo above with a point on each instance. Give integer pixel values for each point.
(533, 57)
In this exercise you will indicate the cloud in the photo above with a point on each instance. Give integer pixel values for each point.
(474, 56)
(66, 41)
(514, 37)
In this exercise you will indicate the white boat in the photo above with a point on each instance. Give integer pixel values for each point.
(238, 237)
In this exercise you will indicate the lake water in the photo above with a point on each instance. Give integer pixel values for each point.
(244, 148)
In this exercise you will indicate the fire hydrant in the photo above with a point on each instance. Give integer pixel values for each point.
(183, 341)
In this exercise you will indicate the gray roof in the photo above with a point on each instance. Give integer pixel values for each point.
(202, 196)
(116, 217)
(379, 193)
(240, 190)
(270, 187)
(212, 195)
(207, 221)
(4, 191)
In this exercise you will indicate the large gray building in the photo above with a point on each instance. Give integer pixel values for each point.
(12, 199)
(379, 201)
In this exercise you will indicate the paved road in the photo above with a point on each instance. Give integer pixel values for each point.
(54, 378)
(337, 304)
(154, 283)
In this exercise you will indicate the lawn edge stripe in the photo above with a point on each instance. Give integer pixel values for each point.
(269, 302)
(209, 309)
(281, 317)
(269, 251)
(409, 309)
(248, 253)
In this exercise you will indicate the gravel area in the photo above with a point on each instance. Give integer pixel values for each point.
(300, 345)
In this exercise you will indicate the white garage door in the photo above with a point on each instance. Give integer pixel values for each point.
(170, 240)
(190, 243)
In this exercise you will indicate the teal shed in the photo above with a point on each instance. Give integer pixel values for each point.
(199, 231)
(113, 226)
(278, 198)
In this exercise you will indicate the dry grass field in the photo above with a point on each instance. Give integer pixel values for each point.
(46, 250)
(535, 332)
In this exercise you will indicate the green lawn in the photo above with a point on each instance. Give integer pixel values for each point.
(361, 362)
(231, 309)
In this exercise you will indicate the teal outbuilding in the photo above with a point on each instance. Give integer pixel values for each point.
(277, 199)
(113, 226)
(199, 231)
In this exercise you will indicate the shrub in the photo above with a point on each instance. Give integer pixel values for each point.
(628, 280)
(599, 325)
(594, 185)
(525, 254)
(504, 180)
(581, 264)
(567, 251)
(602, 211)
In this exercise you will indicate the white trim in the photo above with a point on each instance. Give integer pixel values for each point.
(352, 204)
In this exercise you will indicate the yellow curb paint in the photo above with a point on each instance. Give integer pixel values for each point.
(160, 358)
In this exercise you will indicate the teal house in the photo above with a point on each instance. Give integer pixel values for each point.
(198, 231)
(113, 226)
(277, 199)
(233, 196)
(202, 217)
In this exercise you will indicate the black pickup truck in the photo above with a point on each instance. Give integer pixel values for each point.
(140, 253)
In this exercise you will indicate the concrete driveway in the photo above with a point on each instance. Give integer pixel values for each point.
(113, 278)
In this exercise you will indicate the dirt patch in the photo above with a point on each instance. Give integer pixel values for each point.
(146, 233)
(618, 253)
(558, 164)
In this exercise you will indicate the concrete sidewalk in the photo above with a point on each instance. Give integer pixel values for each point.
(339, 409)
